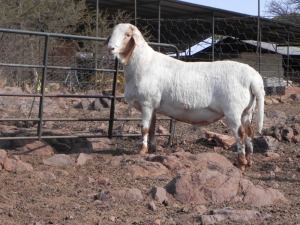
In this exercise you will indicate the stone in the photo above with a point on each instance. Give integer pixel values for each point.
(97, 105)
(275, 101)
(147, 169)
(287, 134)
(258, 196)
(156, 222)
(16, 165)
(247, 216)
(102, 181)
(296, 138)
(45, 175)
(201, 209)
(266, 143)
(38, 148)
(152, 206)
(162, 130)
(203, 187)
(296, 128)
(295, 97)
(268, 101)
(59, 160)
(103, 196)
(271, 155)
(275, 117)
(3, 155)
(159, 194)
(127, 194)
(84, 104)
(105, 102)
(211, 186)
(221, 140)
(83, 158)
(112, 218)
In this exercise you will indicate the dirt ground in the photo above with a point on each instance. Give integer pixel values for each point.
(69, 198)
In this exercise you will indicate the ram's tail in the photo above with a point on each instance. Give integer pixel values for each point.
(257, 88)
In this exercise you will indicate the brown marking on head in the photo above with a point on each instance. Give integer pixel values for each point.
(129, 43)
(241, 133)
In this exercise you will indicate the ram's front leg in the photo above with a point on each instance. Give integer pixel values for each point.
(146, 120)
(152, 139)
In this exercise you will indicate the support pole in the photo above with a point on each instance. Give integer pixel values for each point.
(43, 85)
(213, 37)
(258, 36)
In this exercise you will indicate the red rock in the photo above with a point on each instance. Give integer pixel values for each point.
(3, 155)
(211, 186)
(296, 128)
(296, 138)
(102, 181)
(152, 206)
(270, 156)
(45, 175)
(40, 148)
(156, 222)
(222, 140)
(295, 97)
(147, 169)
(162, 130)
(16, 165)
(247, 216)
(83, 158)
(258, 196)
(59, 160)
(159, 194)
(127, 194)
(287, 134)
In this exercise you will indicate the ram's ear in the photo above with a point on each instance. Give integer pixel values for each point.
(128, 50)
(136, 35)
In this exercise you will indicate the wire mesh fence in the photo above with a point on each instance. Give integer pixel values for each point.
(269, 46)
(84, 76)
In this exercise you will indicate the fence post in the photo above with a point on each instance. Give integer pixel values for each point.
(113, 100)
(43, 82)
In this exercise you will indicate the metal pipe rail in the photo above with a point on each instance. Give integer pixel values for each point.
(42, 95)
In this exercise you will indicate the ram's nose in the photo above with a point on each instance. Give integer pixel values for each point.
(110, 49)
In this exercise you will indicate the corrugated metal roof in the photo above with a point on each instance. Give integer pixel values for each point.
(283, 50)
(226, 23)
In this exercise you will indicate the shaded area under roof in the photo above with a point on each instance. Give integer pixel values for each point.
(203, 22)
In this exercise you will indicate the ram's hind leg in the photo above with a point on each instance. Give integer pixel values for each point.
(239, 134)
(249, 142)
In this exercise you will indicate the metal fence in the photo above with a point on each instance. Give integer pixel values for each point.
(269, 46)
(39, 69)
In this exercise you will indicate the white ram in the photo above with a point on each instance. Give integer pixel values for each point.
(197, 93)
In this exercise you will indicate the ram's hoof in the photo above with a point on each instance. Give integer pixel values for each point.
(242, 161)
(250, 162)
(143, 150)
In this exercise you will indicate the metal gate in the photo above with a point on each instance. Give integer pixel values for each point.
(15, 58)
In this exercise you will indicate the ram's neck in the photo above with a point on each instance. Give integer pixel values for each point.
(139, 61)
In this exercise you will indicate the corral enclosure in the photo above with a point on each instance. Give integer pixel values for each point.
(48, 66)
(73, 101)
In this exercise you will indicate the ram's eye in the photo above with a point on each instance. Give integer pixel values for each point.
(128, 35)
